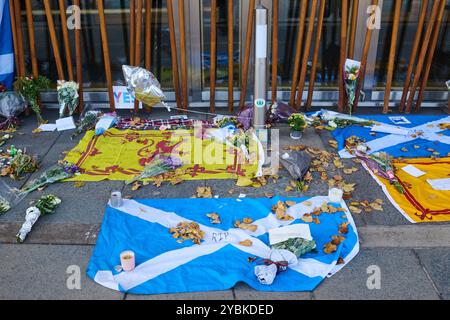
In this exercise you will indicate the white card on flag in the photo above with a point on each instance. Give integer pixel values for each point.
(285, 233)
(413, 171)
(440, 184)
(65, 124)
(48, 127)
(399, 120)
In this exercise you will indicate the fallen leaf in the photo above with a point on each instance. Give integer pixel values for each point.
(79, 184)
(307, 218)
(246, 243)
(291, 203)
(244, 182)
(330, 248)
(354, 209)
(136, 186)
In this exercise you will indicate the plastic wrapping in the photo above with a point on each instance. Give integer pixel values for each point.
(11, 104)
(297, 163)
(143, 85)
(280, 112)
(9, 197)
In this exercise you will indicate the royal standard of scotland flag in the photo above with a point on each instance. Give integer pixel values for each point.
(6, 46)
(423, 136)
(165, 266)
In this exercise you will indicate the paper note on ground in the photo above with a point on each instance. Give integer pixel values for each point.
(65, 124)
(413, 171)
(48, 127)
(440, 184)
(285, 233)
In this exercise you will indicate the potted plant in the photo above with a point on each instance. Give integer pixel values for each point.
(298, 124)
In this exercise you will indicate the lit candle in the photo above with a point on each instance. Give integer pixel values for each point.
(335, 195)
(127, 260)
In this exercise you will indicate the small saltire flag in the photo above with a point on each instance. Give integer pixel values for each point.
(221, 261)
(6, 46)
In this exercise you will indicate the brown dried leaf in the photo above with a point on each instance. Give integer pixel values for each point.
(246, 243)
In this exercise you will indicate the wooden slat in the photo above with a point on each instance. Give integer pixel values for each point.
(231, 56)
(12, 13)
(106, 57)
(19, 35)
(148, 34)
(248, 46)
(353, 26)
(316, 54)
(174, 54)
(213, 58)
(414, 50)
(275, 29)
(309, 33)
(78, 63)
(132, 31)
(365, 55)
(32, 38)
(54, 40)
(65, 32)
(138, 42)
(298, 49)
(392, 54)
(421, 61)
(430, 57)
(183, 62)
(343, 55)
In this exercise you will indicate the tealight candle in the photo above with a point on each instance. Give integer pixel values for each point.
(116, 199)
(335, 195)
(127, 260)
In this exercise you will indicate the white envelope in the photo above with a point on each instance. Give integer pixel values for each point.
(440, 184)
(48, 127)
(285, 233)
(413, 171)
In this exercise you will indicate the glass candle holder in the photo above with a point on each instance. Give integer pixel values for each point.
(335, 195)
(128, 261)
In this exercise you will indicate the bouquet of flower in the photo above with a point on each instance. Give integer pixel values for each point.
(87, 122)
(63, 170)
(340, 120)
(159, 165)
(4, 205)
(45, 205)
(20, 164)
(297, 246)
(297, 122)
(351, 75)
(30, 88)
(67, 97)
(11, 105)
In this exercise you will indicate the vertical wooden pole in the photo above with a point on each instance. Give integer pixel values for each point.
(298, 50)
(183, 62)
(365, 55)
(106, 58)
(353, 26)
(213, 56)
(79, 65)
(414, 50)
(248, 46)
(132, 31)
(309, 33)
(392, 54)
(343, 55)
(173, 52)
(148, 34)
(316, 54)
(422, 54)
(430, 57)
(12, 13)
(230, 56)
(19, 34)
(32, 38)
(65, 32)
(54, 40)
(138, 42)
(275, 50)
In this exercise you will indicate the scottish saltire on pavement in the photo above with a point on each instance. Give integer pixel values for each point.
(165, 266)
(6, 46)
(421, 202)
(425, 137)
(123, 154)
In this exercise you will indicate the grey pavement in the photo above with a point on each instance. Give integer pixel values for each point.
(414, 260)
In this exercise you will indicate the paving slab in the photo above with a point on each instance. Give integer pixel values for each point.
(243, 292)
(36, 272)
(437, 264)
(401, 278)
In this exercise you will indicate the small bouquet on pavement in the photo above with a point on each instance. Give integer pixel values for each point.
(20, 164)
(87, 122)
(351, 76)
(67, 97)
(63, 170)
(45, 205)
(11, 105)
(159, 165)
(340, 120)
(30, 88)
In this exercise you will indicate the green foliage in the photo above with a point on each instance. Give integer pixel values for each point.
(30, 88)
(297, 122)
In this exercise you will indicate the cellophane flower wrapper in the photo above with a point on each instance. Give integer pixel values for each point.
(9, 197)
(11, 106)
(351, 76)
(143, 85)
(67, 97)
(158, 166)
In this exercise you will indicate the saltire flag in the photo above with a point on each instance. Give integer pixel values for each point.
(425, 136)
(164, 265)
(6, 46)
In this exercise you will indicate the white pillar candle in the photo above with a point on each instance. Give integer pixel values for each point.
(127, 260)
(335, 195)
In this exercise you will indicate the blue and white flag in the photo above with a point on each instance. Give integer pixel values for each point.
(413, 136)
(165, 266)
(6, 46)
